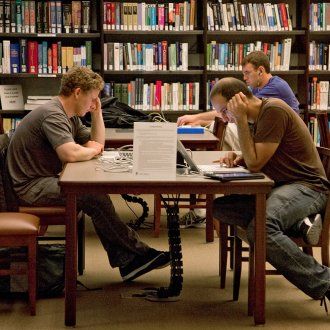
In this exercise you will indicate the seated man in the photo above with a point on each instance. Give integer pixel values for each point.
(257, 75)
(52, 135)
(281, 146)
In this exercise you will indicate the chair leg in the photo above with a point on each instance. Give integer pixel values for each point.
(231, 246)
(157, 214)
(81, 244)
(251, 285)
(209, 231)
(308, 250)
(325, 256)
(32, 273)
(223, 247)
(237, 266)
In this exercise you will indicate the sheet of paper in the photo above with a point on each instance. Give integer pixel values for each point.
(216, 168)
(154, 151)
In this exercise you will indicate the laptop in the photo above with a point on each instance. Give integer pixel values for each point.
(202, 169)
(215, 171)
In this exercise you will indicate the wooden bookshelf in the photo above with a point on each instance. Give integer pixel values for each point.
(298, 75)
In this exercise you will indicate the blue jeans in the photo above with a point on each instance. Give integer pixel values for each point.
(120, 241)
(285, 207)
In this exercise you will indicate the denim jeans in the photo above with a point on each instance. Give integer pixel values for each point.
(286, 205)
(120, 241)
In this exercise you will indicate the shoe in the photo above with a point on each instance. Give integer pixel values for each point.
(143, 264)
(191, 219)
(324, 301)
(311, 229)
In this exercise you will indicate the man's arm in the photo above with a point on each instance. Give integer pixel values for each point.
(203, 119)
(97, 126)
(256, 155)
(71, 152)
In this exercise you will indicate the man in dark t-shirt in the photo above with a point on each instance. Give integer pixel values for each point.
(52, 135)
(281, 147)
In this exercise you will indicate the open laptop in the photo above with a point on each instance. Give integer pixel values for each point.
(215, 171)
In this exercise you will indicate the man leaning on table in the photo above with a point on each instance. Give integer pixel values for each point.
(281, 147)
(52, 135)
(257, 75)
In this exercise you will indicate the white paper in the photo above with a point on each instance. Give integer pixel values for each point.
(154, 151)
(11, 97)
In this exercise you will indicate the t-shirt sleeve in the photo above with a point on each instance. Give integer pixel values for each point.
(57, 130)
(270, 130)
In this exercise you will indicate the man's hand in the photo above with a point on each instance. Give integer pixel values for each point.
(96, 106)
(238, 106)
(231, 159)
(188, 120)
(98, 147)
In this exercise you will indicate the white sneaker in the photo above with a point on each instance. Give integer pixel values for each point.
(311, 228)
(191, 219)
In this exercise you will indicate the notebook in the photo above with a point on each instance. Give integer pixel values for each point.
(234, 176)
(204, 169)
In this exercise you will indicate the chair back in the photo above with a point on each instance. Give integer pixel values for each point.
(323, 124)
(325, 159)
(219, 130)
(8, 198)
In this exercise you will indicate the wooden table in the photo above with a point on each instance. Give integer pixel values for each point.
(118, 137)
(74, 181)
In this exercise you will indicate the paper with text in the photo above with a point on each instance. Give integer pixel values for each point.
(154, 151)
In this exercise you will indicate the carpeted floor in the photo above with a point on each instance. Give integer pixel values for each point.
(202, 304)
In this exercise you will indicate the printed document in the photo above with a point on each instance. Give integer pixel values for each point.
(154, 151)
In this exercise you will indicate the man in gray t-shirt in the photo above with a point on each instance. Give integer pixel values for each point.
(52, 135)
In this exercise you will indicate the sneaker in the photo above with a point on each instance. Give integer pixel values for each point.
(311, 228)
(143, 264)
(191, 219)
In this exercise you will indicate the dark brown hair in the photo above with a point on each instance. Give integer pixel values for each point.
(257, 58)
(230, 86)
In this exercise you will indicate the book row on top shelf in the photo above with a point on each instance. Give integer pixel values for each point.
(26, 16)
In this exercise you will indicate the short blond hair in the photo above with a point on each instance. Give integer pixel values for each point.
(80, 77)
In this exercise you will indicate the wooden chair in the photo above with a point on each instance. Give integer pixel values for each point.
(21, 230)
(192, 202)
(49, 215)
(240, 235)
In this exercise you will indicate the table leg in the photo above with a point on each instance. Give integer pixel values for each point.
(70, 261)
(260, 260)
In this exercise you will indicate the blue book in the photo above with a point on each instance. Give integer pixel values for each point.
(39, 57)
(14, 58)
(44, 57)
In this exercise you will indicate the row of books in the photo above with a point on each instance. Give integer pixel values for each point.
(229, 56)
(42, 57)
(237, 16)
(146, 57)
(10, 123)
(314, 129)
(319, 16)
(319, 56)
(177, 16)
(157, 95)
(20, 16)
(318, 96)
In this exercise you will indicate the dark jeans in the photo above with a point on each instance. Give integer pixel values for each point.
(120, 241)
(286, 205)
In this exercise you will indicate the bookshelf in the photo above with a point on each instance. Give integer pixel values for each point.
(120, 25)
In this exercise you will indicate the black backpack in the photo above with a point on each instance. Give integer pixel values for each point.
(118, 115)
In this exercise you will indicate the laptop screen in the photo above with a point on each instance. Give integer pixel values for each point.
(185, 155)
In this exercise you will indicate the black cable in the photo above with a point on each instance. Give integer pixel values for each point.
(139, 221)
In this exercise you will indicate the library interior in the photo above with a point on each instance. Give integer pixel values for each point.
(116, 89)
